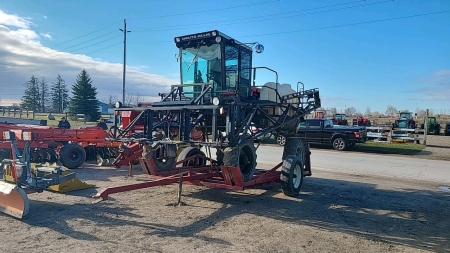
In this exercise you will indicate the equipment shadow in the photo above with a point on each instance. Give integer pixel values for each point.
(416, 218)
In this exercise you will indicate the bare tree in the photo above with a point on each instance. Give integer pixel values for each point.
(133, 100)
(391, 111)
(376, 114)
(333, 111)
(368, 112)
(351, 111)
(421, 113)
(110, 100)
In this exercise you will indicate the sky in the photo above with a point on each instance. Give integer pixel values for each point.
(359, 53)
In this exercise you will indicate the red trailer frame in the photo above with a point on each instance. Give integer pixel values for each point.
(227, 177)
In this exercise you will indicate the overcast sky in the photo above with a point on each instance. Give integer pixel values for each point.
(23, 55)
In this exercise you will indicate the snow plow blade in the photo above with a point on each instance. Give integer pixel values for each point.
(13, 200)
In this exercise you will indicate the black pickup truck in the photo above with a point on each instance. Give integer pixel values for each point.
(322, 131)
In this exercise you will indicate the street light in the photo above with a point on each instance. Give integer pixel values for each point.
(124, 30)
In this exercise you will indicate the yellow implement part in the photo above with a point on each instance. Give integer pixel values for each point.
(67, 186)
(71, 185)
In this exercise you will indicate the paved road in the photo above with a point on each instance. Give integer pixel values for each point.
(367, 164)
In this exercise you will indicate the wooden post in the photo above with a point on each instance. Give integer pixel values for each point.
(425, 126)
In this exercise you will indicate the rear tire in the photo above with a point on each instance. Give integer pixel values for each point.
(188, 152)
(161, 164)
(340, 144)
(291, 175)
(243, 156)
(72, 156)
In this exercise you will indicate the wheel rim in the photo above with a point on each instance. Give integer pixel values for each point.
(74, 156)
(297, 177)
(246, 160)
(339, 144)
(281, 140)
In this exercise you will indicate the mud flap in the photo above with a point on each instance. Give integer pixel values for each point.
(13, 200)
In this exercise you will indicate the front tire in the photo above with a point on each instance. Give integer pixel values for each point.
(281, 140)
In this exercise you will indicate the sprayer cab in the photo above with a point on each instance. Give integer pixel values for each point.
(215, 58)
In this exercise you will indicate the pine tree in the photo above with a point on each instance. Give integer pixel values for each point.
(59, 95)
(31, 98)
(84, 100)
(44, 94)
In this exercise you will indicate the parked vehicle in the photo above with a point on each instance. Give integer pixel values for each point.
(405, 120)
(433, 127)
(340, 119)
(323, 131)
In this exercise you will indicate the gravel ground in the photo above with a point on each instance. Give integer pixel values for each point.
(438, 147)
(334, 213)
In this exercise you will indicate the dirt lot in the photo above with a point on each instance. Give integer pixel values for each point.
(334, 213)
(438, 147)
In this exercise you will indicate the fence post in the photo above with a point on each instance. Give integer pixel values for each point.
(425, 123)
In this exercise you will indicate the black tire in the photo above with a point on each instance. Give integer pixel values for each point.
(281, 140)
(243, 156)
(72, 156)
(296, 147)
(291, 175)
(191, 151)
(340, 144)
(161, 164)
(438, 130)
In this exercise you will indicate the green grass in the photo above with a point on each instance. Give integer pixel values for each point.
(389, 148)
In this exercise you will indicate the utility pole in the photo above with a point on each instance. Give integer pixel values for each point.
(124, 30)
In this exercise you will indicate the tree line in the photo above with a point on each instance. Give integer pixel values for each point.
(391, 111)
(39, 96)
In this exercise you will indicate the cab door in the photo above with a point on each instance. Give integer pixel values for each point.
(314, 130)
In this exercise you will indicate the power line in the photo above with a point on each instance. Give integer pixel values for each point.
(32, 51)
(86, 34)
(88, 40)
(326, 27)
(71, 51)
(265, 17)
(103, 48)
(198, 12)
(353, 24)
